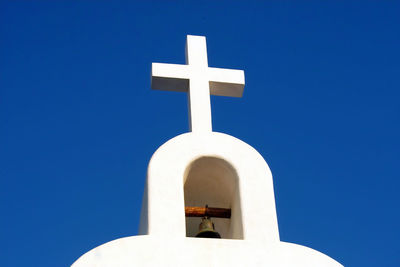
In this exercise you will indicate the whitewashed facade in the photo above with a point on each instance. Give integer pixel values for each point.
(205, 167)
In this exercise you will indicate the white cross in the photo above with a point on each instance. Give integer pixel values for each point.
(199, 81)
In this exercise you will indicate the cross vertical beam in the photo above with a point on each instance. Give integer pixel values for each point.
(199, 92)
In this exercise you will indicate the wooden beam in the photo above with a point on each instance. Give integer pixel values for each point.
(207, 211)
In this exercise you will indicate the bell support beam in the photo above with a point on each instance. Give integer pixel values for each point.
(207, 211)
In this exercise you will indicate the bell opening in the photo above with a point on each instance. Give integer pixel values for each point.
(213, 181)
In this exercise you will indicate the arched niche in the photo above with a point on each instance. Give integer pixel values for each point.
(213, 181)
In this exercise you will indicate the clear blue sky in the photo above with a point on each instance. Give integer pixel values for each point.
(79, 121)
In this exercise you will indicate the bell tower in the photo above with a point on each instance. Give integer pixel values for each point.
(205, 184)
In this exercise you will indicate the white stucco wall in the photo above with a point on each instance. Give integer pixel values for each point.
(163, 208)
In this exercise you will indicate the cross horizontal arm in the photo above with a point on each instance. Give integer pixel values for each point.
(226, 82)
(169, 77)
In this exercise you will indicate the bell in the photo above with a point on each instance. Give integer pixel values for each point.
(207, 229)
